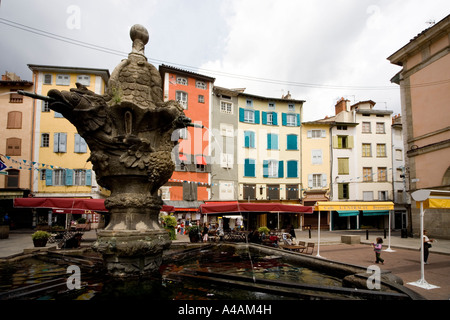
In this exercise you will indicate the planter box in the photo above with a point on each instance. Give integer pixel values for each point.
(40, 242)
(4, 232)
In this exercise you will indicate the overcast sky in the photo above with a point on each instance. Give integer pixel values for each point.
(317, 50)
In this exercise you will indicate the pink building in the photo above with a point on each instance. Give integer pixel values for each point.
(425, 98)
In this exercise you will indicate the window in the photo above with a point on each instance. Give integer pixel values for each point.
(249, 139)
(62, 79)
(269, 118)
(48, 79)
(316, 134)
(366, 150)
(182, 98)
(226, 130)
(249, 168)
(343, 142)
(14, 97)
(271, 105)
(291, 120)
(45, 107)
(292, 142)
(201, 98)
(79, 177)
(380, 127)
(292, 169)
(45, 140)
(273, 191)
(272, 141)
(343, 191)
(13, 147)
(249, 103)
(317, 180)
(80, 144)
(14, 120)
(12, 179)
(316, 156)
(226, 190)
(226, 160)
(182, 81)
(366, 127)
(382, 174)
(367, 174)
(249, 116)
(367, 195)
(292, 191)
(273, 169)
(60, 142)
(291, 107)
(226, 107)
(343, 166)
(84, 80)
(249, 191)
(381, 150)
(59, 177)
(383, 195)
(342, 127)
(398, 154)
(200, 85)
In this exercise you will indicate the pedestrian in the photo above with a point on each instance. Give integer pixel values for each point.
(426, 246)
(205, 232)
(377, 248)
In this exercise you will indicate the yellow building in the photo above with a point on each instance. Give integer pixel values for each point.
(60, 154)
(268, 149)
(316, 160)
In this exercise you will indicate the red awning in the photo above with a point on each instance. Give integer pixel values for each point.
(253, 207)
(68, 205)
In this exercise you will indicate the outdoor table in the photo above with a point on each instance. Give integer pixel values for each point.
(297, 248)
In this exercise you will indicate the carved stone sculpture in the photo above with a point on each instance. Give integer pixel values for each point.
(129, 131)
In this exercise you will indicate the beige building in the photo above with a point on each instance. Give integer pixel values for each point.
(425, 97)
(15, 133)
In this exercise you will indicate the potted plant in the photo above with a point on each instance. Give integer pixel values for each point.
(169, 224)
(40, 238)
(194, 233)
(264, 230)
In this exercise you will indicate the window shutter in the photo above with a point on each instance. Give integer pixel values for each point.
(309, 134)
(63, 142)
(280, 169)
(83, 145)
(264, 117)
(241, 114)
(247, 139)
(324, 180)
(274, 118)
(335, 142)
(350, 142)
(310, 180)
(257, 116)
(284, 119)
(88, 177)
(69, 177)
(77, 143)
(298, 120)
(340, 191)
(269, 141)
(56, 142)
(292, 140)
(324, 133)
(48, 177)
(265, 168)
(292, 169)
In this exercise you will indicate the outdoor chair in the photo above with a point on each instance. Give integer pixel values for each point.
(310, 246)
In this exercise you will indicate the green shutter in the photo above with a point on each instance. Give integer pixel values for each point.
(48, 177)
(264, 117)
(241, 114)
(256, 116)
(274, 118)
(292, 169)
(280, 169)
(283, 119)
(298, 120)
(69, 177)
(265, 168)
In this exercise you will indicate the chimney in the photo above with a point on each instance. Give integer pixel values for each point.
(341, 105)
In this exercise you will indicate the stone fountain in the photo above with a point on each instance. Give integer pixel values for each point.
(129, 132)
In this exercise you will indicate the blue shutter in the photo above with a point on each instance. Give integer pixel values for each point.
(280, 169)
(77, 143)
(241, 114)
(265, 168)
(48, 177)
(247, 139)
(264, 117)
(292, 169)
(63, 142)
(298, 119)
(292, 140)
(257, 116)
(88, 177)
(69, 177)
(269, 141)
(284, 119)
(252, 139)
(275, 141)
(274, 118)
(56, 142)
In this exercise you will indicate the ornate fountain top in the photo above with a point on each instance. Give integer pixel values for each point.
(139, 36)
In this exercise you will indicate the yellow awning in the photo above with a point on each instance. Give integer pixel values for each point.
(351, 206)
(435, 203)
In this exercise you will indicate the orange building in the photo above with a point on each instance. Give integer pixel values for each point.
(190, 181)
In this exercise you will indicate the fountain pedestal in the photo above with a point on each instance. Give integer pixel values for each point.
(129, 133)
